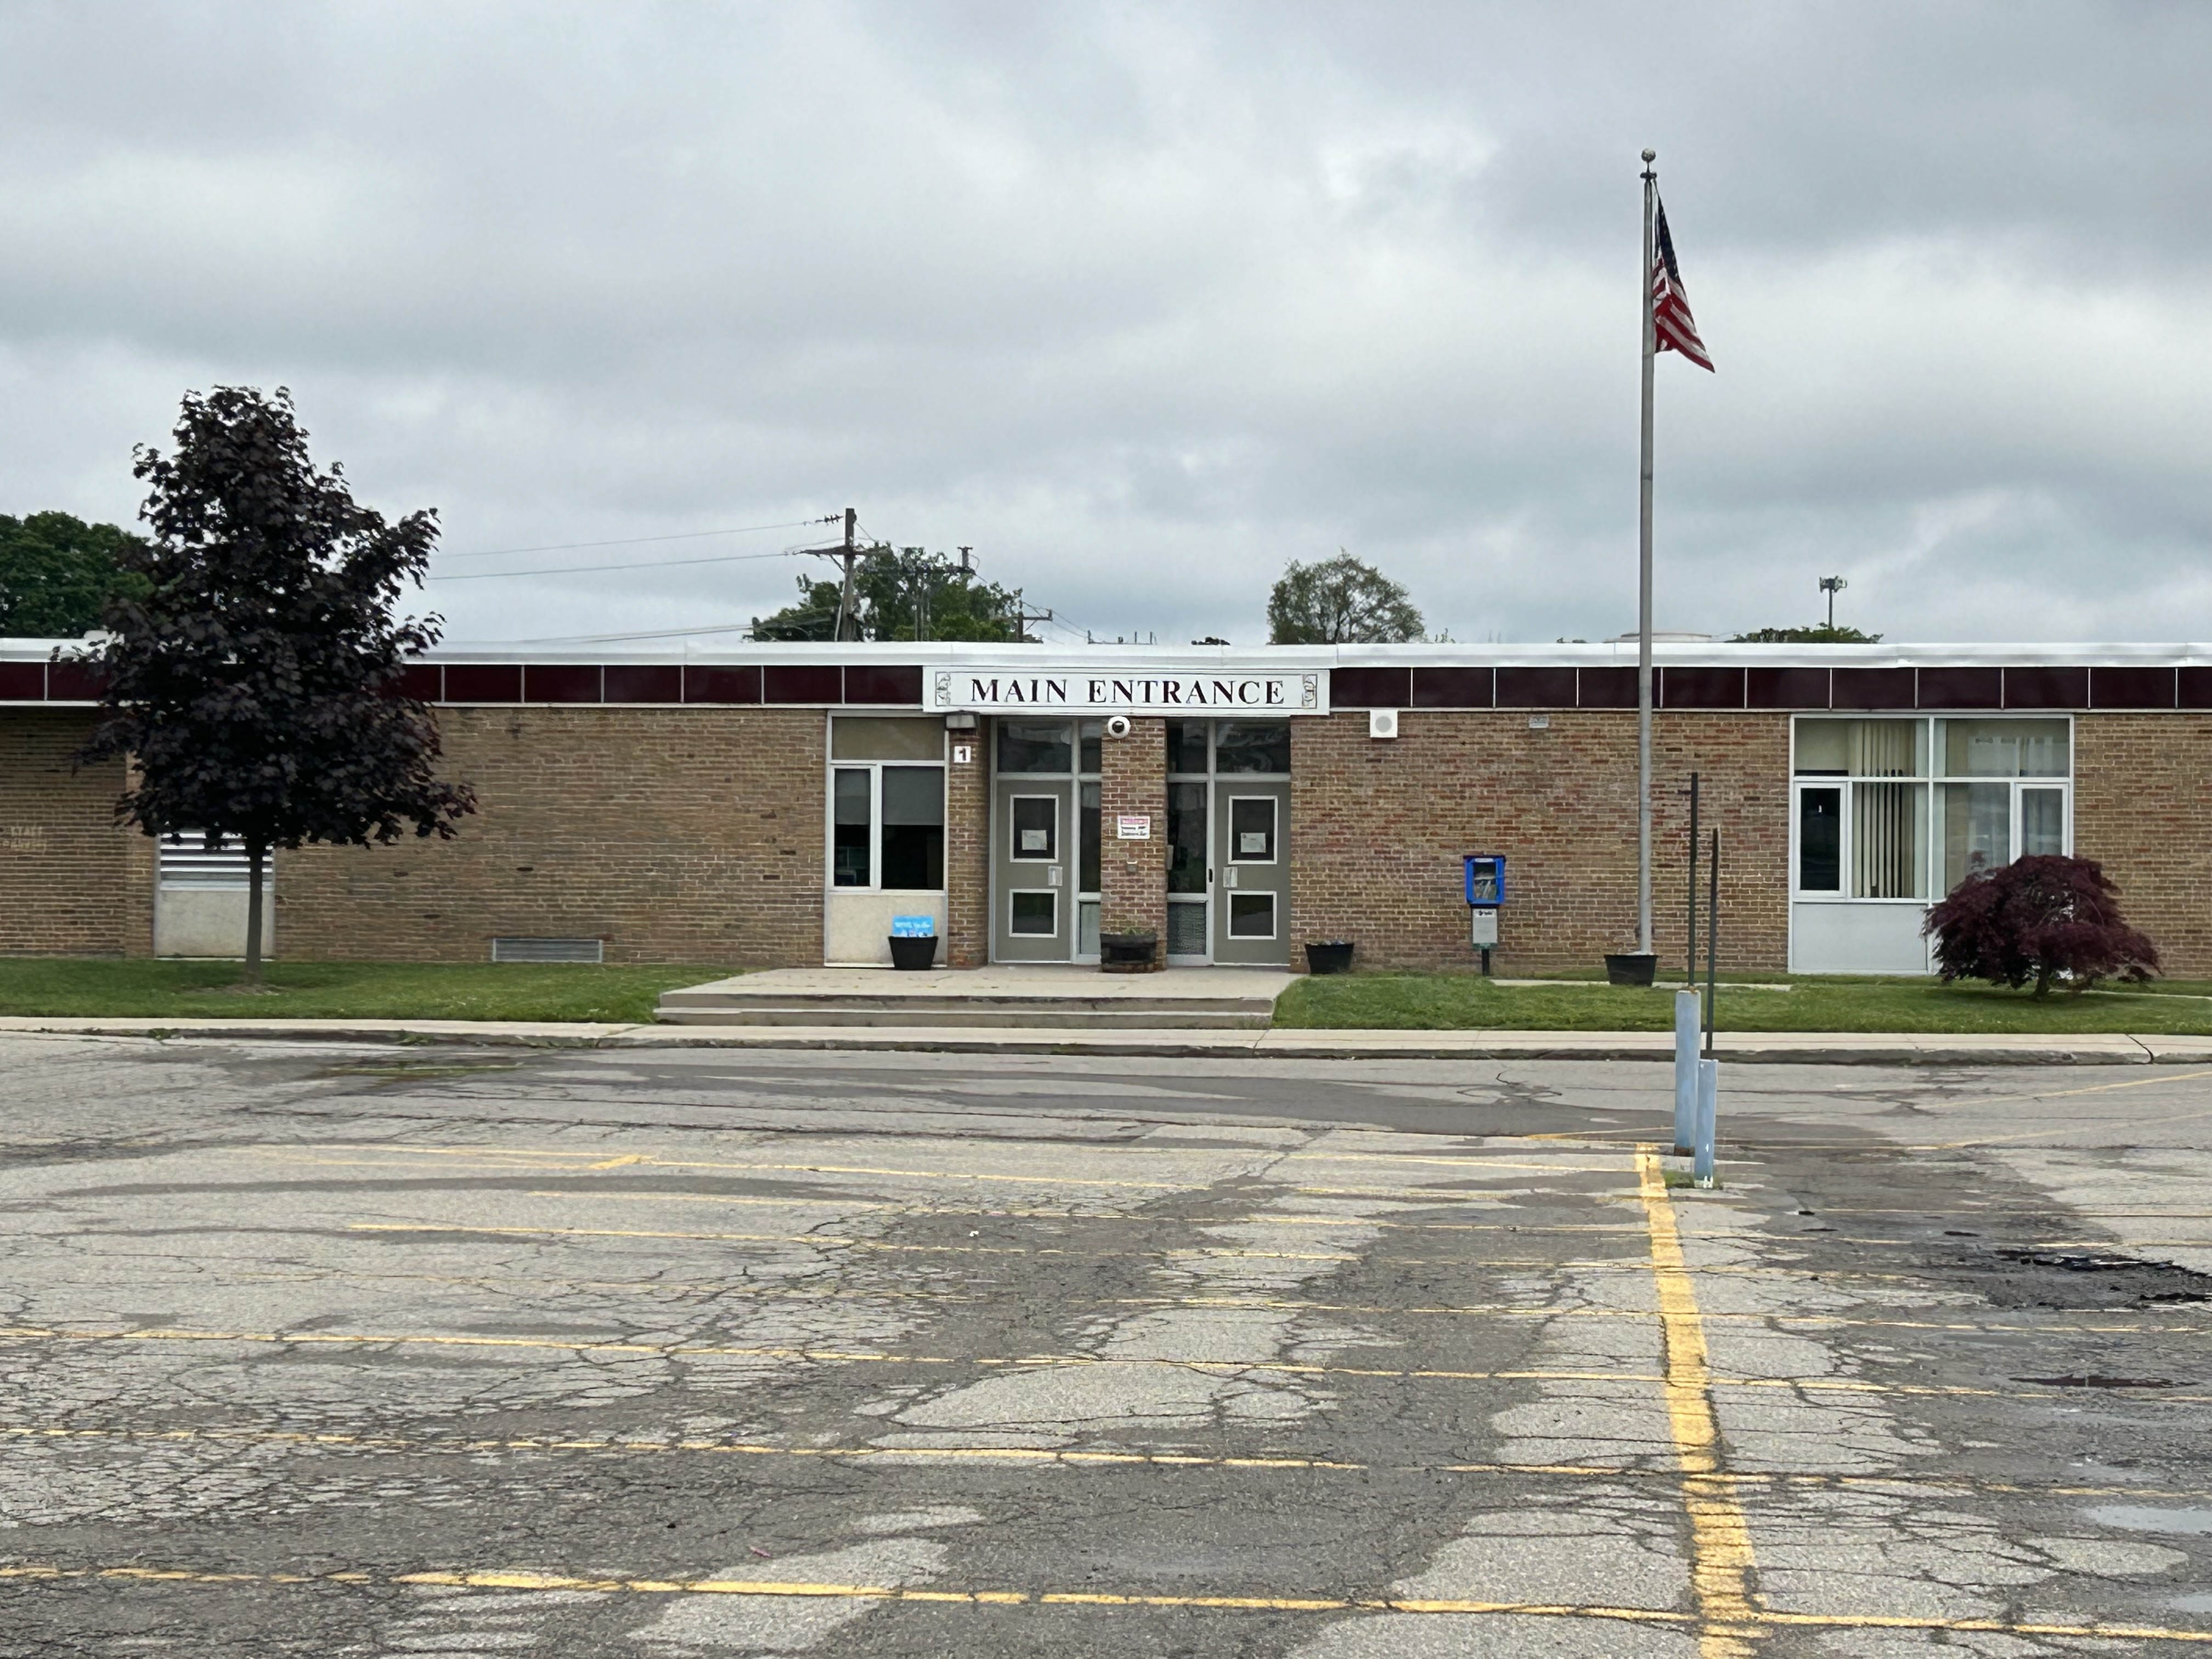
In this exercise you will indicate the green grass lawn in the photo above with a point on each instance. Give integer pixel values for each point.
(1431, 1002)
(137, 988)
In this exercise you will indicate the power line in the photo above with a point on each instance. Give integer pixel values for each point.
(650, 634)
(636, 564)
(630, 541)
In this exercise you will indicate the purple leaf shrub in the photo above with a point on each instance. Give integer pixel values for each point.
(2042, 918)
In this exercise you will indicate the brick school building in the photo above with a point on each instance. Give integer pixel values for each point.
(788, 805)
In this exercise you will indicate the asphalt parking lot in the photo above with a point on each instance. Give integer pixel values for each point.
(345, 1350)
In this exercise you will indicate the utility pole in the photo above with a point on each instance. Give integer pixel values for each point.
(923, 576)
(845, 593)
(1023, 617)
(846, 553)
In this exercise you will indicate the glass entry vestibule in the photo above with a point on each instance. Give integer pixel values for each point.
(1891, 814)
(1224, 850)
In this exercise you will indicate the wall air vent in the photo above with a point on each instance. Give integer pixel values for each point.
(547, 949)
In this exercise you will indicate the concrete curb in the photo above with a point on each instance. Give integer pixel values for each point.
(1786, 1048)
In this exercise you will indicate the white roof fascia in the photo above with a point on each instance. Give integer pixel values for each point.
(1283, 658)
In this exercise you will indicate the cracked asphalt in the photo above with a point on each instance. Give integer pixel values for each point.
(349, 1351)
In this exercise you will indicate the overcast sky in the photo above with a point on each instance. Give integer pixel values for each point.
(1142, 301)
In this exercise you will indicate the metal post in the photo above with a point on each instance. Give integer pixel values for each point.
(1691, 979)
(1686, 1071)
(1643, 589)
(1713, 943)
(1709, 1091)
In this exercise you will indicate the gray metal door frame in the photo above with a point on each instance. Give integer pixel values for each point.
(1252, 858)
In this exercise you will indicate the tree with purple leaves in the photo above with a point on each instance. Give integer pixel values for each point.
(2043, 918)
(252, 684)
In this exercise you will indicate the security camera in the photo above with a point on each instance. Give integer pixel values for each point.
(1117, 725)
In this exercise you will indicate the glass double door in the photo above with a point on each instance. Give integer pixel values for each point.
(1229, 881)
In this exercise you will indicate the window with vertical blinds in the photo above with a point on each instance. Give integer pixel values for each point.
(1885, 807)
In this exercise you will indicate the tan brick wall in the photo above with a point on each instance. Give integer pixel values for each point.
(696, 834)
(1132, 874)
(72, 882)
(1378, 828)
(967, 850)
(676, 835)
(2142, 808)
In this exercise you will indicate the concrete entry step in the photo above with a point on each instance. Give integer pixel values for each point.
(1057, 1019)
(1050, 996)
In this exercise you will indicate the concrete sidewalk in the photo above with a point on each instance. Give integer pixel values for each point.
(1775, 1048)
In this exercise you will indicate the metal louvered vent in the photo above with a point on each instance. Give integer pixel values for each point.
(547, 949)
(183, 862)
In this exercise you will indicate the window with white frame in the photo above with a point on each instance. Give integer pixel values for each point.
(2002, 792)
(887, 805)
(1900, 809)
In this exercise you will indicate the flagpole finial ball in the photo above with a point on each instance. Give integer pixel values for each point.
(1650, 155)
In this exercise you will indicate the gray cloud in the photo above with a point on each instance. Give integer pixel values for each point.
(1142, 301)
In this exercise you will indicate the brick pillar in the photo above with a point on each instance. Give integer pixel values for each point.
(967, 851)
(1132, 875)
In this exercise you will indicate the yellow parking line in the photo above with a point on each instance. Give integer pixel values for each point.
(531, 1158)
(1412, 1194)
(749, 1199)
(630, 1446)
(1118, 1150)
(1671, 1378)
(803, 1589)
(848, 1242)
(743, 1288)
(1721, 1559)
(1637, 1264)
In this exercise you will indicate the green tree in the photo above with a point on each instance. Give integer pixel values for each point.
(1817, 634)
(902, 593)
(252, 683)
(1340, 601)
(56, 573)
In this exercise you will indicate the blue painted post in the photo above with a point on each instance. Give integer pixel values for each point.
(1709, 1088)
(1687, 1023)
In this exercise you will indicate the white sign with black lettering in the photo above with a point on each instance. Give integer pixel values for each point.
(1060, 690)
(1132, 827)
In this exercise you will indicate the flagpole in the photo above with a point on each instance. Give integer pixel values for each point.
(1643, 591)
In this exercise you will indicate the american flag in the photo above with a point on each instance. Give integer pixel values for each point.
(1671, 322)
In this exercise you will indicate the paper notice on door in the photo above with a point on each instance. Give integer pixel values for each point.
(1251, 843)
(1036, 841)
(1052, 876)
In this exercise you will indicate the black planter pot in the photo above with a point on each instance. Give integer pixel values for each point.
(915, 955)
(1631, 968)
(1330, 956)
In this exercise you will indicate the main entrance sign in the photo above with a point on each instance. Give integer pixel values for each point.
(1089, 691)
